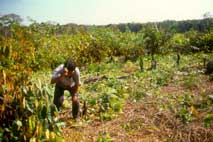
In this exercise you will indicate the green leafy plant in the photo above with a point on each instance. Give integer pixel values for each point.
(191, 82)
(185, 112)
(104, 138)
(208, 119)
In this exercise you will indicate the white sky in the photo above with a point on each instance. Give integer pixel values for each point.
(107, 11)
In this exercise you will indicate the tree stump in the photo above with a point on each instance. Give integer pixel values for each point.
(209, 67)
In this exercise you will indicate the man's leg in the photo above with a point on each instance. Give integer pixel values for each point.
(58, 96)
(75, 106)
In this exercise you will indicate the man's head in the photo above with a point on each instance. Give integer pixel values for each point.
(70, 66)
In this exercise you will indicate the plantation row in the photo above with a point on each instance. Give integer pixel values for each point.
(25, 108)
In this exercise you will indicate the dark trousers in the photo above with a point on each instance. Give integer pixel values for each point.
(59, 99)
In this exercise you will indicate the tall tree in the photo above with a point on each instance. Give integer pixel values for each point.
(8, 19)
(153, 40)
(208, 20)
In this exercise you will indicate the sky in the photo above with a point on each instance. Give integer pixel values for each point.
(103, 12)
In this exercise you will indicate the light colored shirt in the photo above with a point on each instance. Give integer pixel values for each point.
(67, 81)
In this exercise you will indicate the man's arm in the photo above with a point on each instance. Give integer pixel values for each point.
(56, 79)
(58, 74)
(76, 78)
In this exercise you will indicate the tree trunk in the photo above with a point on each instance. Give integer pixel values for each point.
(141, 64)
(153, 62)
(204, 62)
(178, 59)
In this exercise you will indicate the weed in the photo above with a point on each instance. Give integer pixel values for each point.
(191, 82)
(104, 138)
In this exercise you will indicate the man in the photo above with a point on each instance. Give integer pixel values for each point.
(67, 77)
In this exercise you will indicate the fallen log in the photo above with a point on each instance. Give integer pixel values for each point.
(99, 78)
(123, 77)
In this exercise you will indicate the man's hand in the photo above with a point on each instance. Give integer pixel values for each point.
(74, 89)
